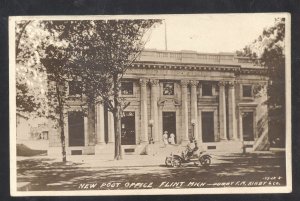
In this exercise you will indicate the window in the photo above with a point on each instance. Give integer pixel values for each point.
(127, 88)
(247, 91)
(206, 89)
(247, 122)
(76, 128)
(208, 127)
(168, 88)
(75, 88)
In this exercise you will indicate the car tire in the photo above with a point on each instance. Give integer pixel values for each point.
(176, 162)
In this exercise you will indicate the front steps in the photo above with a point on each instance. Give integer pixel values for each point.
(158, 149)
(225, 146)
(126, 149)
(79, 150)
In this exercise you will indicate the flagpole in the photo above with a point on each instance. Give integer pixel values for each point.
(166, 45)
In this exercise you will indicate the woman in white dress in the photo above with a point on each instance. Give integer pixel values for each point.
(165, 138)
(172, 138)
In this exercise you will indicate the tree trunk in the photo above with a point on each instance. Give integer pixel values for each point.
(61, 123)
(117, 119)
(117, 125)
(19, 38)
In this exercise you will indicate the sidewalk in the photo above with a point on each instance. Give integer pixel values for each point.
(96, 161)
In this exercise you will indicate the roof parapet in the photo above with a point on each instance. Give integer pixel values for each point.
(193, 57)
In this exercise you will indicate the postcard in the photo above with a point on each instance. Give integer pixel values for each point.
(150, 104)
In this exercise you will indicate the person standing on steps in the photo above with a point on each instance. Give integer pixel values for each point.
(165, 138)
(172, 138)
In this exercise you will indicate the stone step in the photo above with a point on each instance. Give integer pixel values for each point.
(104, 149)
(165, 150)
(226, 146)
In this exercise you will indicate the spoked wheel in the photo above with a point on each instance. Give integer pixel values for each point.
(176, 162)
(205, 162)
(168, 162)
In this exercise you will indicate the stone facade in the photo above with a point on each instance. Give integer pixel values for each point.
(212, 98)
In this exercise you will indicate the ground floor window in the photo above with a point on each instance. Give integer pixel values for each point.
(44, 135)
(208, 126)
(247, 120)
(76, 128)
(128, 128)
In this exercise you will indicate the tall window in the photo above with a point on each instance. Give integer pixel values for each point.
(247, 91)
(75, 88)
(76, 128)
(168, 88)
(127, 88)
(206, 89)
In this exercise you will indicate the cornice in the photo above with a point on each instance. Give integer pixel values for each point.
(236, 69)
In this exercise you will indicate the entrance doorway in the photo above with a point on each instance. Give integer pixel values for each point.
(208, 127)
(248, 134)
(76, 128)
(128, 128)
(169, 123)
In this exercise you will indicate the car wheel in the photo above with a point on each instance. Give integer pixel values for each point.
(168, 162)
(205, 162)
(176, 163)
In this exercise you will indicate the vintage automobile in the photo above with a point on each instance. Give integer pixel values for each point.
(188, 156)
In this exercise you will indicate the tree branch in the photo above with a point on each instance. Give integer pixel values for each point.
(19, 38)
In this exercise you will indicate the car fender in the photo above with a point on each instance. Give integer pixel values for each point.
(205, 156)
(177, 157)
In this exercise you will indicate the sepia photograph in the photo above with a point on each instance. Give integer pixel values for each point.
(150, 104)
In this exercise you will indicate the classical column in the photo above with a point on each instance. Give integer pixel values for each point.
(232, 125)
(241, 137)
(222, 111)
(200, 118)
(144, 115)
(194, 108)
(86, 131)
(111, 128)
(91, 124)
(100, 123)
(67, 134)
(154, 109)
(184, 111)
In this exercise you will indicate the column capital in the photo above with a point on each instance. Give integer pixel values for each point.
(143, 81)
(231, 84)
(154, 82)
(184, 83)
(194, 83)
(221, 83)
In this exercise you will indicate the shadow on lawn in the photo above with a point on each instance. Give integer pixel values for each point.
(234, 167)
(23, 150)
(36, 164)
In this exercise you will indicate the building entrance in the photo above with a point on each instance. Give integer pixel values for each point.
(128, 128)
(208, 127)
(76, 128)
(248, 134)
(169, 124)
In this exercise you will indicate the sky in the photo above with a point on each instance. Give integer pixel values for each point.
(209, 33)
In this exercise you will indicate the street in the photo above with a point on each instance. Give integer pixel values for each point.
(234, 170)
